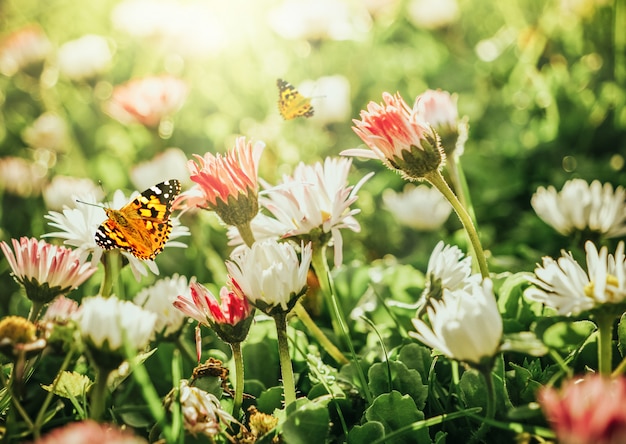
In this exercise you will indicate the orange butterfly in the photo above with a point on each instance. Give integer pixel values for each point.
(291, 103)
(142, 226)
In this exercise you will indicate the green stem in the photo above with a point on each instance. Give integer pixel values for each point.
(35, 309)
(320, 265)
(459, 185)
(437, 180)
(318, 334)
(99, 394)
(318, 261)
(286, 369)
(112, 267)
(491, 406)
(604, 322)
(42, 411)
(246, 234)
(238, 358)
(15, 398)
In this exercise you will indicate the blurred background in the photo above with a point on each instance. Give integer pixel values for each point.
(542, 83)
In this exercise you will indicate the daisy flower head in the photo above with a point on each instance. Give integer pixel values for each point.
(565, 286)
(24, 50)
(171, 162)
(21, 177)
(226, 184)
(19, 338)
(61, 310)
(45, 270)
(449, 266)
(91, 432)
(419, 207)
(230, 316)
(202, 411)
(158, 298)
(147, 100)
(588, 410)
(84, 58)
(464, 324)
(439, 108)
(581, 206)
(397, 135)
(270, 275)
(48, 131)
(60, 192)
(105, 323)
(313, 204)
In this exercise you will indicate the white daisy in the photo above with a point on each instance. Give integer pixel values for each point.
(464, 325)
(565, 286)
(314, 202)
(159, 299)
(420, 207)
(108, 322)
(581, 206)
(270, 274)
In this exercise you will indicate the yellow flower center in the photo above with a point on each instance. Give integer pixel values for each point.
(18, 330)
(611, 284)
(326, 216)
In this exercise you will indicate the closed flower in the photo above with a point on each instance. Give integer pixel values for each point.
(464, 325)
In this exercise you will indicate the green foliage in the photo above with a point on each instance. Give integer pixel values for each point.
(394, 411)
(543, 85)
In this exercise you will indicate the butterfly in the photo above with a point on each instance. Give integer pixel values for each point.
(142, 226)
(291, 103)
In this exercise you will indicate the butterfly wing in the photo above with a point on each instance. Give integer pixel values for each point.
(142, 226)
(291, 103)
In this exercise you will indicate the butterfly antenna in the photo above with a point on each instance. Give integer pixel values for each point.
(90, 203)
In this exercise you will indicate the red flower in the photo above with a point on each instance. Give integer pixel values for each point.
(398, 136)
(230, 317)
(91, 432)
(587, 411)
(227, 184)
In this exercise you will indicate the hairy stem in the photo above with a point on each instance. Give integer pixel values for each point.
(286, 369)
(437, 180)
(238, 358)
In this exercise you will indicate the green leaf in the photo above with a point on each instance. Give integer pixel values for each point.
(474, 389)
(350, 374)
(515, 310)
(404, 380)
(416, 357)
(522, 385)
(440, 437)
(308, 424)
(567, 336)
(395, 411)
(270, 400)
(69, 385)
(261, 361)
(366, 433)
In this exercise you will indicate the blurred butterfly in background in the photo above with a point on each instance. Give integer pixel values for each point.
(291, 103)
